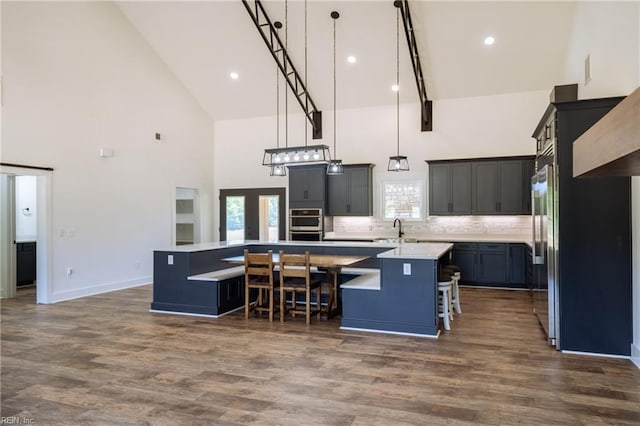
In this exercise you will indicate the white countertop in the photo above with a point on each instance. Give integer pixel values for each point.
(441, 237)
(427, 251)
(396, 250)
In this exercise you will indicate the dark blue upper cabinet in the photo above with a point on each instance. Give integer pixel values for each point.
(308, 186)
(351, 193)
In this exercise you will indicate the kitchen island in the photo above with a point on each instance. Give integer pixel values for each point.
(394, 290)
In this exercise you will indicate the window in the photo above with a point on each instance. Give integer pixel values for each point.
(402, 199)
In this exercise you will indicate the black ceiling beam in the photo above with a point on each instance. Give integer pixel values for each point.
(425, 104)
(276, 47)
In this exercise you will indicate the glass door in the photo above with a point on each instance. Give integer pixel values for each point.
(252, 214)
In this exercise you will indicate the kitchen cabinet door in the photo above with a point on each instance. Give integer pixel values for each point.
(497, 187)
(516, 266)
(485, 194)
(360, 190)
(461, 188)
(465, 257)
(351, 194)
(338, 194)
(439, 189)
(528, 167)
(510, 187)
(307, 186)
(450, 189)
(492, 263)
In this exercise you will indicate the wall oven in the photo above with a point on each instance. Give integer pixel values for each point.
(306, 224)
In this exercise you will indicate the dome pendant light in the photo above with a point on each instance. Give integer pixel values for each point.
(278, 169)
(335, 166)
(398, 163)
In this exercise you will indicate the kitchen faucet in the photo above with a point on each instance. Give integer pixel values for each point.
(400, 233)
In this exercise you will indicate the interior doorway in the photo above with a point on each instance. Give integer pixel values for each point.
(25, 223)
(187, 216)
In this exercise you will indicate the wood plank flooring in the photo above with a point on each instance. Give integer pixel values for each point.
(106, 360)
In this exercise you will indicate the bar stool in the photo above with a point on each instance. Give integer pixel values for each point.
(455, 291)
(445, 281)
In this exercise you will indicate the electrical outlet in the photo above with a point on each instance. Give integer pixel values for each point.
(406, 269)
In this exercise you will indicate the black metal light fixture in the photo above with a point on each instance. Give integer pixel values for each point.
(398, 163)
(278, 158)
(335, 166)
(278, 169)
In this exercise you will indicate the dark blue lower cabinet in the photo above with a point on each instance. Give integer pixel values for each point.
(230, 294)
(405, 303)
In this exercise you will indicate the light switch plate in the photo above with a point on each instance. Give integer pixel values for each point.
(170, 259)
(406, 268)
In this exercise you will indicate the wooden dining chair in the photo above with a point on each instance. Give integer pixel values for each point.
(295, 278)
(258, 274)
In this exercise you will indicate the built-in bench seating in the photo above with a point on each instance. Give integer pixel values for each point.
(366, 279)
(219, 275)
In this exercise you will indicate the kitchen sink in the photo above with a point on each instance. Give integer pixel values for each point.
(397, 240)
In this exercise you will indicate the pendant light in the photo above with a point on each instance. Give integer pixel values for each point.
(294, 155)
(335, 166)
(398, 163)
(278, 169)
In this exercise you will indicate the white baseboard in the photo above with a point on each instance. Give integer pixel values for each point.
(99, 289)
(596, 354)
(635, 354)
(399, 333)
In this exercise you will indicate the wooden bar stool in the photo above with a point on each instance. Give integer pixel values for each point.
(444, 299)
(258, 274)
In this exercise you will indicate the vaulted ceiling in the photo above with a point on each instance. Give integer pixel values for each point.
(202, 42)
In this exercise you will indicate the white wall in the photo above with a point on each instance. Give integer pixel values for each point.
(463, 128)
(610, 33)
(78, 77)
(26, 208)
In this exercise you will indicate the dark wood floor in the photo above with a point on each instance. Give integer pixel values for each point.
(106, 360)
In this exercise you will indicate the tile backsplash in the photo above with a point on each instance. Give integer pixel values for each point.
(509, 225)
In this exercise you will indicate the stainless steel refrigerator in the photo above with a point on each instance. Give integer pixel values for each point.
(545, 289)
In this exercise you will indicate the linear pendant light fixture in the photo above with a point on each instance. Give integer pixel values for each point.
(278, 169)
(398, 163)
(295, 155)
(335, 165)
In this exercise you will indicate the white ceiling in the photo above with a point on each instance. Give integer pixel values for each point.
(203, 41)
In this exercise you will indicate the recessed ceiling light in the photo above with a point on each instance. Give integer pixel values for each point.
(489, 40)
(234, 75)
(395, 87)
(351, 59)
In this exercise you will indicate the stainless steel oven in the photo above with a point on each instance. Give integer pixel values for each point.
(305, 224)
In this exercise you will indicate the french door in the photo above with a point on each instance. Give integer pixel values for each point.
(252, 214)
